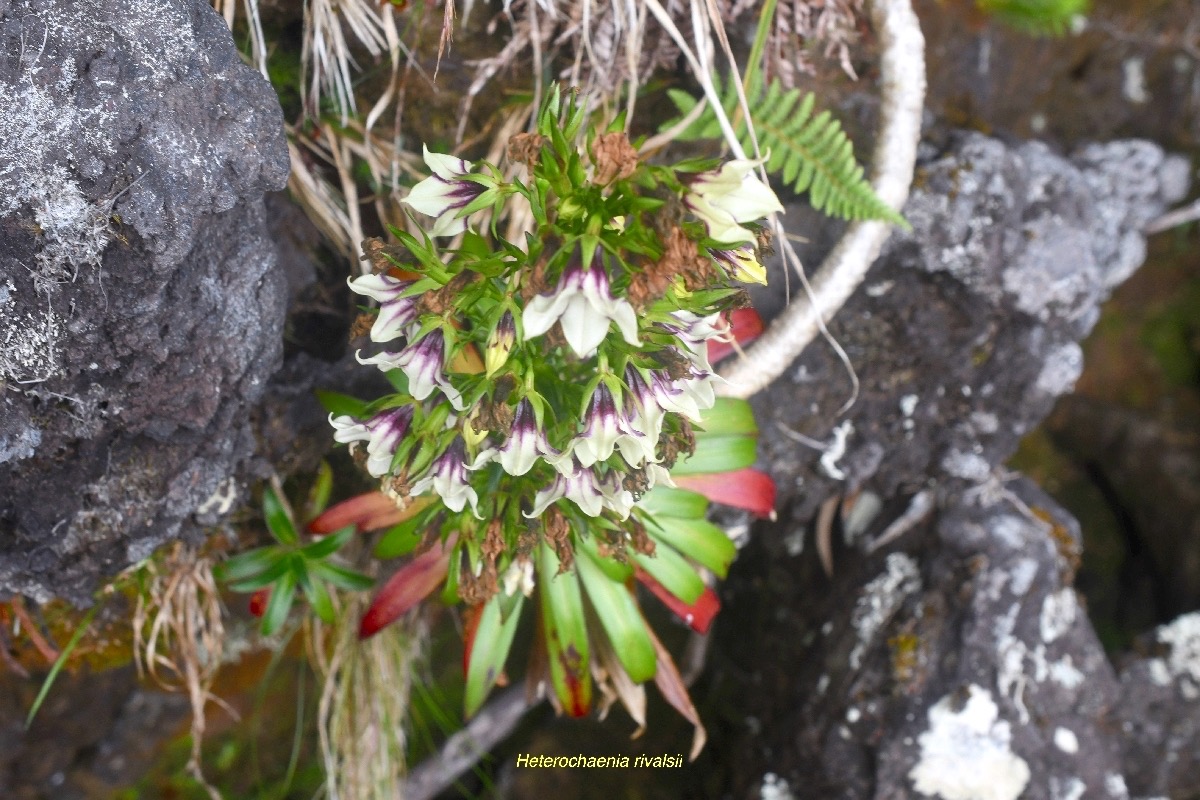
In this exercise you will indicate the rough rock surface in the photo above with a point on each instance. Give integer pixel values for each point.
(140, 310)
(948, 655)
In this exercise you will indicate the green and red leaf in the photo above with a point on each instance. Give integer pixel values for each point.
(487, 647)
(746, 326)
(698, 614)
(367, 512)
(565, 632)
(411, 584)
(749, 489)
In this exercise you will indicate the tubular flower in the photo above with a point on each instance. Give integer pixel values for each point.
(382, 433)
(500, 344)
(725, 197)
(445, 193)
(584, 304)
(603, 426)
(740, 264)
(449, 481)
(526, 442)
(396, 312)
(645, 417)
(577, 484)
(689, 396)
(424, 363)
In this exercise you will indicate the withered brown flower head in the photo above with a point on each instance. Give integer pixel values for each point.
(614, 157)
(525, 148)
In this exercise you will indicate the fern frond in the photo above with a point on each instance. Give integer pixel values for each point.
(1039, 17)
(811, 153)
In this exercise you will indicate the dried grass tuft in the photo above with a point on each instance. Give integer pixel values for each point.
(179, 638)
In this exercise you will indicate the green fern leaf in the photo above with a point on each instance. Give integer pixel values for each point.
(811, 153)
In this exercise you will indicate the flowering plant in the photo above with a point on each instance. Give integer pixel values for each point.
(550, 398)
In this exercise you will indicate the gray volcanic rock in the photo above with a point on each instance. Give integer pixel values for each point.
(948, 655)
(140, 308)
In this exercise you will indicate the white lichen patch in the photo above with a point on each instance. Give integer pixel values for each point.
(1063, 367)
(880, 600)
(29, 350)
(1066, 740)
(1069, 789)
(1114, 784)
(221, 500)
(1058, 614)
(1023, 574)
(965, 754)
(1183, 663)
(775, 788)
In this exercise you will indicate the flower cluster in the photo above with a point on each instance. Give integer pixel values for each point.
(544, 388)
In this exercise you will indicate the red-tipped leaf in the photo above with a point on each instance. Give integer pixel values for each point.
(367, 512)
(748, 488)
(415, 581)
(258, 601)
(698, 615)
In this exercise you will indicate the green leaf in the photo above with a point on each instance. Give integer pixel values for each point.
(398, 380)
(327, 545)
(243, 566)
(282, 595)
(667, 502)
(673, 571)
(341, 577)
(729, 417)
(318, 495)
(401, 539)
(489, 650)
(620, 618)
(80, 630)
(315, 591)
(340, 404)
(718, 454)
(279, 522)
(698, 539)
(268, 576)
(566, 635)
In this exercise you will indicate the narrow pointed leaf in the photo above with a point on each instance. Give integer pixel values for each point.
(400, 540)
(667, 502)
(341, 577)
(282, 595)
(340, 404)
(728, 417)
(698, 539)
(670, 683)
(566, 634)
(322, 488)
(277, 518)
(314, 591)
(327, 545)
(620, 618)
(672, 571)
(245, 565)
(698, 614)
(749, 489)
(489, 650)
(411, 584)
(718, 454)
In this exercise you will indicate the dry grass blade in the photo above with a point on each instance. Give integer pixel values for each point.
(364, 702)
(179, 637)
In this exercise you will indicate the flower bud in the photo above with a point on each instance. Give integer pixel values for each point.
(500, 344)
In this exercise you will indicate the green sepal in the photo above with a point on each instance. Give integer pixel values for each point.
(282, 595)
(398, 380)
(620, 618)
(565, 631)
(340, 404)
(718, 454)
(664, 501)
(698, 539)
(279, 522)
(673, 571)
(341, 577)
(492, 643)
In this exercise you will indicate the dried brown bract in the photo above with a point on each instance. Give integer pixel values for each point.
(614, 157)
(525, 148)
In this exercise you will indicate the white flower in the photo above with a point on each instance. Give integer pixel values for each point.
(396, 313)
(445, 193)
(728, 196)
(579, 485)
(584, 304)
(448, 479)
(382, 433)
(425, 365)
(526, 442)
(645, 417)
(740, 263)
